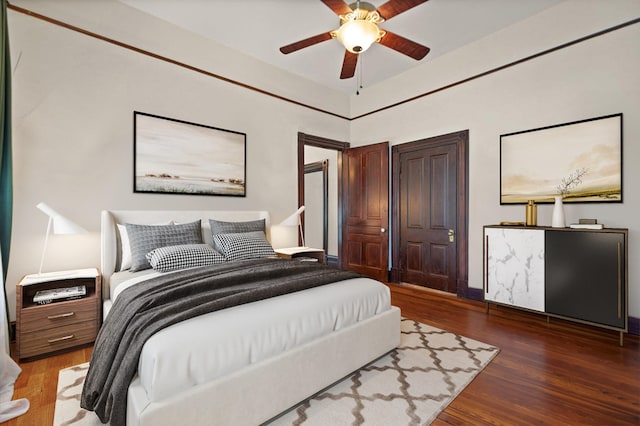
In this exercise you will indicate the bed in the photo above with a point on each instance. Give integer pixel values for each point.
(246, 364)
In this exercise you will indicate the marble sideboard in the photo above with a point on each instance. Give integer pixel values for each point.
(575, 274)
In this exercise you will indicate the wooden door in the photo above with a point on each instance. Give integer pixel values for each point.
(429, 193)
(365, 246)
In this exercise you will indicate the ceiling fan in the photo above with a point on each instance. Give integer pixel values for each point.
(359, 30)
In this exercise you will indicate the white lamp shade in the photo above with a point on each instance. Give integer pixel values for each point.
(358, 35)
(60, 224)
(284, 236)
(294, 219)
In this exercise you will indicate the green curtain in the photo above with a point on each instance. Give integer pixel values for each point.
(6, 196)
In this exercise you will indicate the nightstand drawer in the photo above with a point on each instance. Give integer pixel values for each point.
(58, 314)
(41, 329)
(43, 341)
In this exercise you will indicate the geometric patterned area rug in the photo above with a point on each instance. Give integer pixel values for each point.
(409, 386)
(67, 410)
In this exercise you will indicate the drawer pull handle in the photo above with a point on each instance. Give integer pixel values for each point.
(486, 265)
(61, 339)
(619, 280)
(67, 315)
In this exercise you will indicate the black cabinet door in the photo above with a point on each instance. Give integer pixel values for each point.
(584, 276)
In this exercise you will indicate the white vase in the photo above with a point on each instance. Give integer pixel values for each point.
(557, 220)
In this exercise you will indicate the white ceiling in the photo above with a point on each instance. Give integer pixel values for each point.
(259, 27)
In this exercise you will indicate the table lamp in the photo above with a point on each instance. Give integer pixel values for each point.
(59, 225)
(285, 233)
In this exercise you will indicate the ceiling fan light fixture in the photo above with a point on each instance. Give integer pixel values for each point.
(357, 32)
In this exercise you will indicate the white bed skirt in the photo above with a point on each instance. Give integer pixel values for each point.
(260, 392)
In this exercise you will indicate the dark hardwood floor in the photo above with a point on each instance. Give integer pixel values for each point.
(556, 373)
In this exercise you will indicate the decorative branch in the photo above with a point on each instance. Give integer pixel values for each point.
(574, 179)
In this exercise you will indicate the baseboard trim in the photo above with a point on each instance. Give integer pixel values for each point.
(634, 326)
(473, 294)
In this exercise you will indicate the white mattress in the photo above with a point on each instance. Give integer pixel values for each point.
(122, 280)
(210, 346)
(125, 279)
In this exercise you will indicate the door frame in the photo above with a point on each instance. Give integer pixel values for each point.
(461, 140)
(320, 142)
(322, 166)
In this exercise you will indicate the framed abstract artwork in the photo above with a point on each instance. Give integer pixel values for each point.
(178, 157)
(581, 160)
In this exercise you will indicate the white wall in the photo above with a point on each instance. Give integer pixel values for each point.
(74, 97)
(73, 103)
(598, 77)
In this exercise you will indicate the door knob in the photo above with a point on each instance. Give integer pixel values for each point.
(383, 230)
(452, 235)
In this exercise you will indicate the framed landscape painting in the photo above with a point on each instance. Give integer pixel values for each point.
(581, 160)
(178, 157)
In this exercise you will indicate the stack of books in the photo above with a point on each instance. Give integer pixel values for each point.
(587, 224)
(44, 297)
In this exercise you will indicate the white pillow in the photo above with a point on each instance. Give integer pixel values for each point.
(125, 253)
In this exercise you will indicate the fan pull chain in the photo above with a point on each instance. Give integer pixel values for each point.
(359, 63)
(359, 75)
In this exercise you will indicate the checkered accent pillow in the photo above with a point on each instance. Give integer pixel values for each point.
(245, 245)
(173, 258)
(144, 238)
(220, 227)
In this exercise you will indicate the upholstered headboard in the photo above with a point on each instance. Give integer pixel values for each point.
(110, 243)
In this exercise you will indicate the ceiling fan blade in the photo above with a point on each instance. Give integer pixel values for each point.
(339, 7)
(396, 7)
(305, 43)
(349, 65)
(404, 46)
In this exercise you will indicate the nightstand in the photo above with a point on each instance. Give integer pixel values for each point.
(301, 252)
(63, 324)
